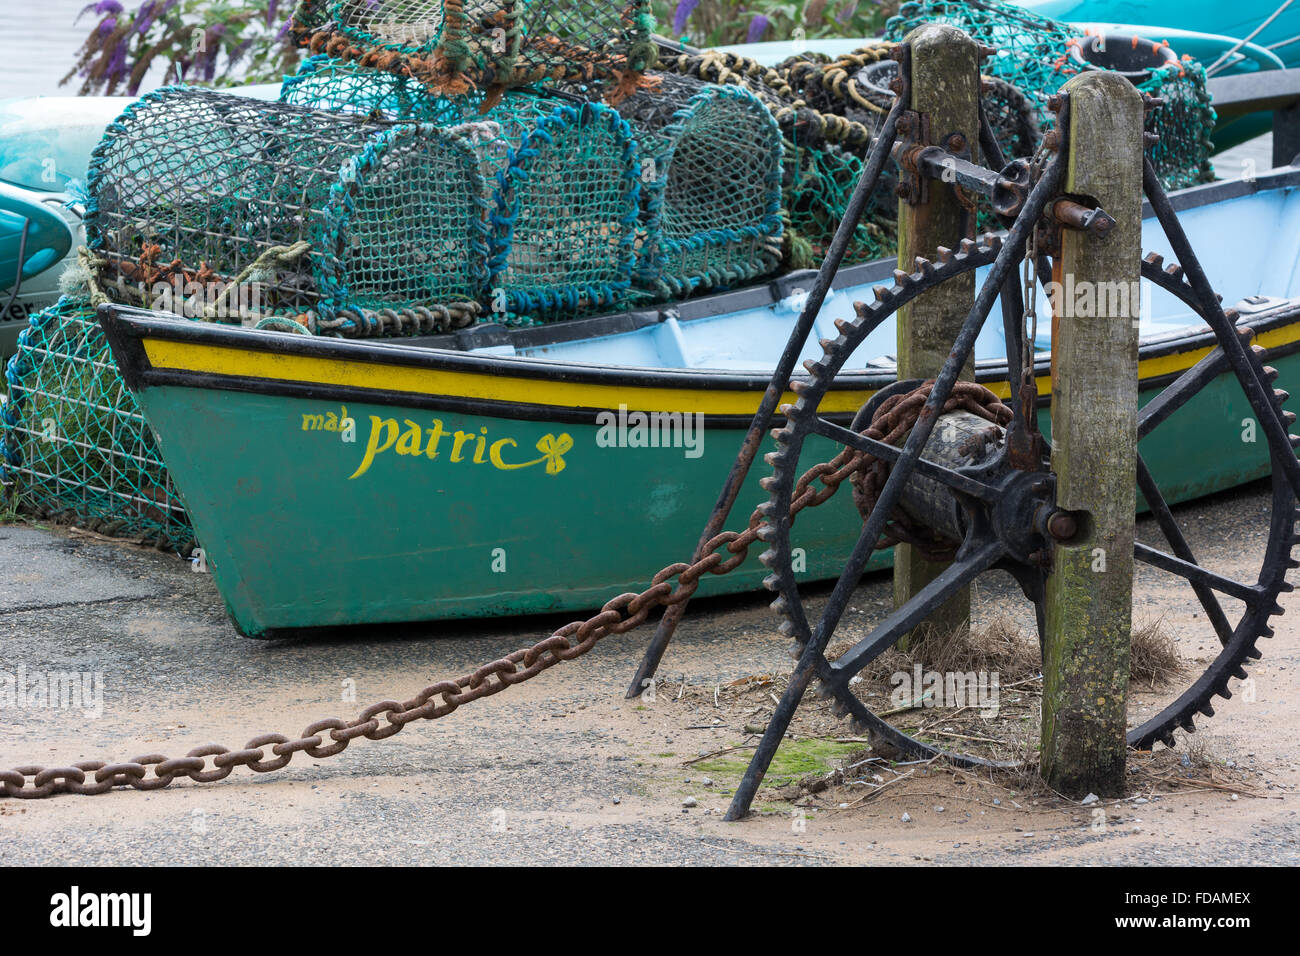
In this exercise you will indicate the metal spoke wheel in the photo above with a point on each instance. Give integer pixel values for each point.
(1001, 508)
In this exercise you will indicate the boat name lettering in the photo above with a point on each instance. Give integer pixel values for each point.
(412, 439)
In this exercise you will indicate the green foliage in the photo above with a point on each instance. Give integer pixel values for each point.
(195, 41)
(721, 22)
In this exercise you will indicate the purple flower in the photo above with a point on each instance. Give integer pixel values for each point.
(117, 63)
(683, 13)
(271, 7)
(107, 26)
(145, 17)
(101, 7)
(757, 27)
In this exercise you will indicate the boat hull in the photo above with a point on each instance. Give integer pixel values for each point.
(334, 483)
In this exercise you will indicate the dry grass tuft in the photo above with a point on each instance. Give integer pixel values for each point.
(997, 646)
(1154, 659)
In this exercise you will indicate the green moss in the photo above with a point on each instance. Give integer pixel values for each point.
(794, 760)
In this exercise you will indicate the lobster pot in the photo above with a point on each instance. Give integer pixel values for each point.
(340, 86)
(455, 46)
(74, 445)
(561, 181)
(711, 159)
(235, 209)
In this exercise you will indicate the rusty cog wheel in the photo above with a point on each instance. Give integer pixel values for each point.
(996, 533)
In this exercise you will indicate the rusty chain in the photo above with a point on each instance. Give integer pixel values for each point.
(890, 424)
(619, 615)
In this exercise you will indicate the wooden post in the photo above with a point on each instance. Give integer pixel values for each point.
(945, 89)
(1094, 442)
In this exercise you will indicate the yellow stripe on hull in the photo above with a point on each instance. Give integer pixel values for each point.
(223, 360)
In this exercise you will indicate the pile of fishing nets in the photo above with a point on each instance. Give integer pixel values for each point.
(74, 445)
(455, 46)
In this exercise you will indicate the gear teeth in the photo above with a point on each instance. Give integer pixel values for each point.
(883, 293)
(795, 650)
(1281, 394)
(782, 434)
(814, 367)
(966, 247)
(1206, 710)
(1276, 610)
(838, 707)
(1232, 315)
(945, 255)
(772, 582)
(901, 279)
(1168, 741)
(766, 532)
(768, 559)
(1154, 259)
(1270, 373)
(780, 605)
(1294, 440)
(1254, 653)
(1174, 271)
(1286, 587)
(1258, 350)
(1187, 723)
(799, 386)
(769, 483)
(925, 267)
(828, 345)
(843, 325)
(1288, 418)
(1224, 693)
(786, 629)
(991, 242)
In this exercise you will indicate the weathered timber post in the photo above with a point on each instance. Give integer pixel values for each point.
(945, 98)
(1089, 597)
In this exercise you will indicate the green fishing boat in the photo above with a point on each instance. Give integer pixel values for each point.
(504, 471)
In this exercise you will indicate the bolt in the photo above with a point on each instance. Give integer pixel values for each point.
(986, 51)
(956, 143)
(1052, 140)
(1062, 526)
(1054, 102)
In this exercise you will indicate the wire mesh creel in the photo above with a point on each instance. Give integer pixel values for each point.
(196, 189)
(562, 183)
(74, 444)
(712, 167)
